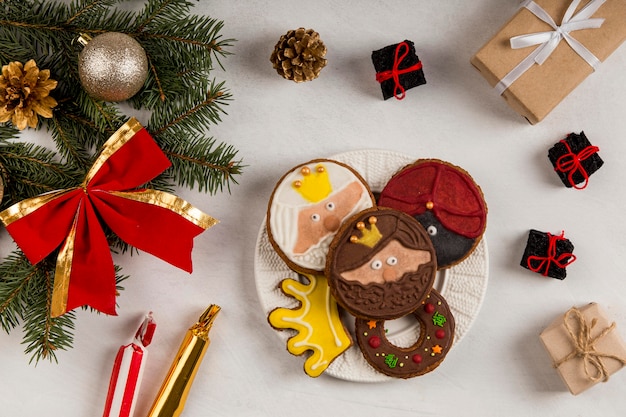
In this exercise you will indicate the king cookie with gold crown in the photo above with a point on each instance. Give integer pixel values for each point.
(381, 264)
(308, 206)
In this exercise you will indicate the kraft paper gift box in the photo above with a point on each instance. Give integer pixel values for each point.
(541, 87)
(585, 347)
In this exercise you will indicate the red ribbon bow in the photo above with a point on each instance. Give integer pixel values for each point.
(545, 261)
(395, 72)
(571, 163)
(153, 221)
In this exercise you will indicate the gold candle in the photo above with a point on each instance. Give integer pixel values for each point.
(171, 398)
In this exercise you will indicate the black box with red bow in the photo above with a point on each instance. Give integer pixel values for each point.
(575, 159)
(398, 69)
(548, 254)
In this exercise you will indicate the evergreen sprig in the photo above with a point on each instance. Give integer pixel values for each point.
(181, 94)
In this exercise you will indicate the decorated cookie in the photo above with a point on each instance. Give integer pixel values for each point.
(316, 321)
(381, 264)
(435, 340)
(308, 206)
(445, 200)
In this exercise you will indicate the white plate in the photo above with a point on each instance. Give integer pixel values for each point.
(463, 286)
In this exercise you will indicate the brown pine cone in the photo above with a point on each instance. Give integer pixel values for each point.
(299, 55)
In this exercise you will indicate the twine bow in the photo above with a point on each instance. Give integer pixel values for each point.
(544, 261)
(571, 163)
(584, 345)
(549, 40)
(395, 72)
(153, 221)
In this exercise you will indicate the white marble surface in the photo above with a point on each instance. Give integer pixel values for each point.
(500, 366)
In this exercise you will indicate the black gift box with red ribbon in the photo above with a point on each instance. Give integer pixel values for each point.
(398, 68)
(548, 254)
(575, 159)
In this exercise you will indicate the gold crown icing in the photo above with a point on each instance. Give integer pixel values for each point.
(314, 185)
(369, 237)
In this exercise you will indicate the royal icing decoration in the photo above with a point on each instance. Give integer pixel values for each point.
(381, 264)
(307, 208)
(434, 341)
(445, 200)
(317, 323)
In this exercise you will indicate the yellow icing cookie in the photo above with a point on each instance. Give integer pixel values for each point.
(316, 321)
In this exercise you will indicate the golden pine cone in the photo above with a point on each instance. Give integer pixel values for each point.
(299, 55)
(25, 93)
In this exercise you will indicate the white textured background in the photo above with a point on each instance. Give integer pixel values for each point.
(500, 366)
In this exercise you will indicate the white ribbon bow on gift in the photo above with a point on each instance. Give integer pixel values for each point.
(549, 40)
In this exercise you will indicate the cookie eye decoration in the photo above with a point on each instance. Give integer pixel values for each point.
(432, 230)
(392, 260)
(315, 217)
(376, 264)
(330, 206)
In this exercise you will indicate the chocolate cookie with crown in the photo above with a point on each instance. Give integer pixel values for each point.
(445, 199)
(381, 264)
(307, 207)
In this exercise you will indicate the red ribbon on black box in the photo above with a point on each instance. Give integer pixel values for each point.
(405, 72)
(153, 221)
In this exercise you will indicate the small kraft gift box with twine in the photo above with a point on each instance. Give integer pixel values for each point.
(547, 49)
(585, 347)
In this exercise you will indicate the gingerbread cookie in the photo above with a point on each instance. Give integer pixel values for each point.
(434, 341)
(446, 201)
(381, 264)
(308, 206)
(319, 329)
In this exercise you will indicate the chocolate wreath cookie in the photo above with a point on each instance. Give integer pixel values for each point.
(446, 201)
(381, 264)
(307, 207)
(435, 340)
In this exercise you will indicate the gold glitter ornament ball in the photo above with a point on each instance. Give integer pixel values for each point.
(112, 66)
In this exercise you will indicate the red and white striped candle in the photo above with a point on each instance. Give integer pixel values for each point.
(127, 372)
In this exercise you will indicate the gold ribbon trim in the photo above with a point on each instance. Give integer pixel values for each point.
(62, 273)
(28, 206)
(170, 202)
(584, 345)
(112, 145)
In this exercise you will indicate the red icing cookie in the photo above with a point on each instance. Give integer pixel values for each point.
(381, 264)
(445, 200)
(434, 341)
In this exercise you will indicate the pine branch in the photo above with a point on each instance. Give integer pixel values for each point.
(200, 162)
(194, 40)
(13, 288)
(160, 12)
(30, 170)
(43, 335)
(82, 10)
(25, 296)
(192, 112)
